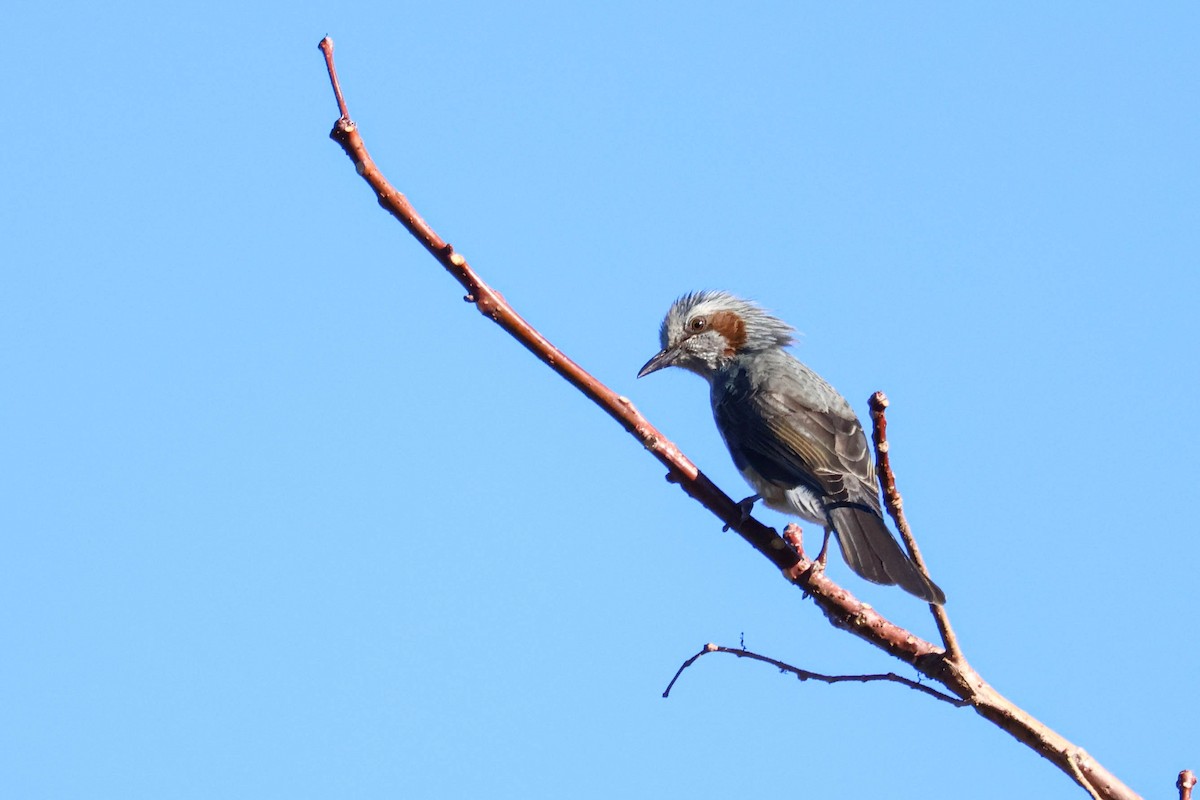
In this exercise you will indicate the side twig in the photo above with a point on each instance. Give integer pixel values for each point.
(842, 608)
(807, 675)
(895, 506)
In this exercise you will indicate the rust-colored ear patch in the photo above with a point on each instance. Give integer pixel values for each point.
(732, 327)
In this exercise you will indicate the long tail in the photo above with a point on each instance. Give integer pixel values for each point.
(871, 551)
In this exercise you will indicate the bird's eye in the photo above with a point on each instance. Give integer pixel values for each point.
(698, 324)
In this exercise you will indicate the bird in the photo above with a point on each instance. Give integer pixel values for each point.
(793, 437)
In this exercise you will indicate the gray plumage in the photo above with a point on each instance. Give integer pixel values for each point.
(796, 440)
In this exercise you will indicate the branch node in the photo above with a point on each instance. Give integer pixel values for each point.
(341, 131)
(1075, 759)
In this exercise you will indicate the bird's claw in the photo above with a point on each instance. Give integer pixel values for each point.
(746, 505)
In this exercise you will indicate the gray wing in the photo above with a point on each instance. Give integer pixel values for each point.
(795, 430)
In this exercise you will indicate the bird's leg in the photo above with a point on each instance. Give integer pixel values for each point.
(823, 556)
(745, 505)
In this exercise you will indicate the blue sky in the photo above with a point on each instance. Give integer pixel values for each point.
(284, 517)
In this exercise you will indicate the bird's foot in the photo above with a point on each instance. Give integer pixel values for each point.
(745, 505)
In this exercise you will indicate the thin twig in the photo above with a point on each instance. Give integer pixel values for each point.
(805, 675)
(895, 507)
(326, 46)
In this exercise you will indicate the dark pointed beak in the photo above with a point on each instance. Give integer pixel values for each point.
(665, 358)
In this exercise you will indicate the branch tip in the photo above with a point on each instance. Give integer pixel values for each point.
(1185, 784)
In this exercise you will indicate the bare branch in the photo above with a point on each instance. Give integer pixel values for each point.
(805, 675)
(840, 607)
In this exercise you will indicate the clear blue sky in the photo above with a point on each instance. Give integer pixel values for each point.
(283, 517)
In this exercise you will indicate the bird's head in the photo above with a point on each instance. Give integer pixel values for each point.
(704, 331)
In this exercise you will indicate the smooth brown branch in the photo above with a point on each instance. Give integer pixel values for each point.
(895, 506)
(806, 675)
(839, 606)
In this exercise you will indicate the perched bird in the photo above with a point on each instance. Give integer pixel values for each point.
(795, 440)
